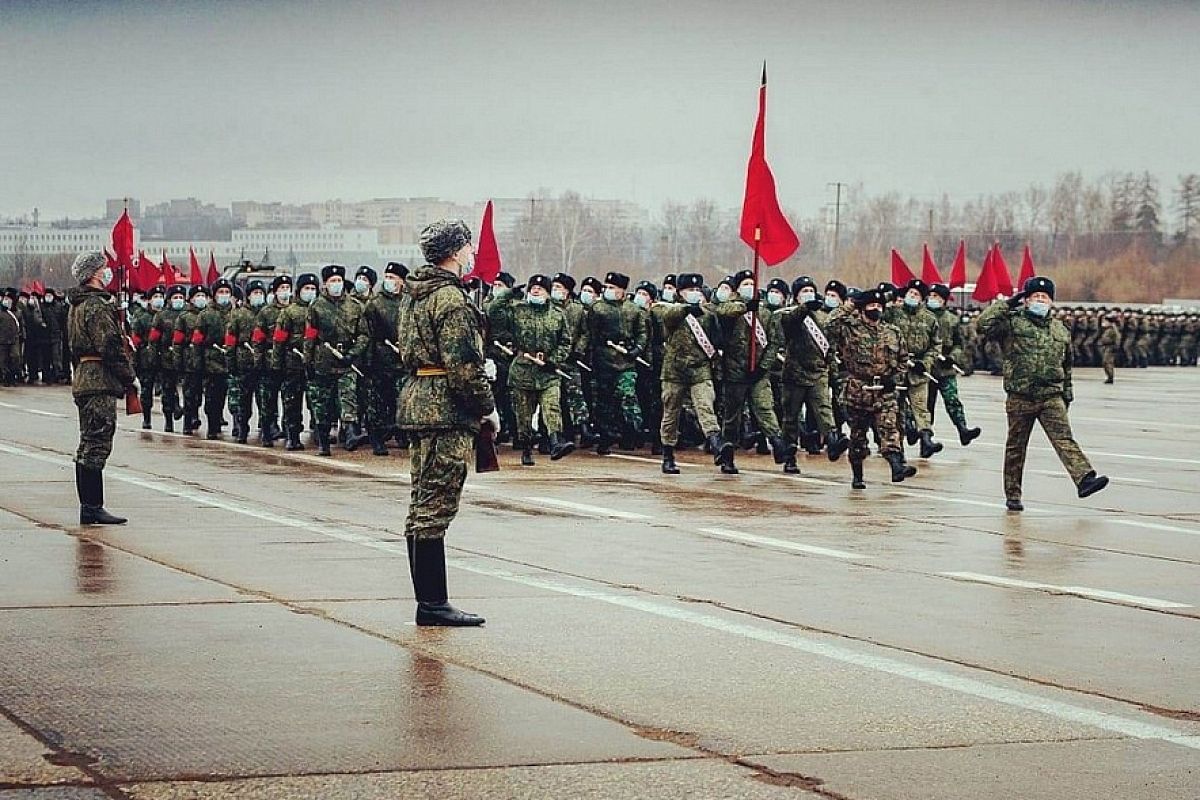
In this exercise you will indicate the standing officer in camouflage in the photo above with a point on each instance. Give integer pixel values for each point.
(445, 399)
(332, 345)
(242, 359)
(270, 379)
(288, 359)
(380, 322)
(1109, 342)
(541, 342)
(189, 359)
(162, 334)
(1037, 378)
(950, 355)
(103, 373)
(619, 335)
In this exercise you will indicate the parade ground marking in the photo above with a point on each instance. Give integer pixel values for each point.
(1079, 591)
(37, 411)
(1154, 526)
(783, 544)
(1114, 723)
(1133, 456)
(598, 511)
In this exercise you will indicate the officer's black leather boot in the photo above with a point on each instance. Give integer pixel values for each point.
(928, 446)
(783, 451)
(669, 467)
(560, 447)
(967, 435)
(427, 563)
(836, 443)
(90, 487)
(900, 470)
(856, 474)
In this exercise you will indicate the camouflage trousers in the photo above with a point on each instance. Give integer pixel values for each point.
(649, 391)
(247, 390)
(674, 396)
(192, 385)
(1108, 360)
(292, 391)
(816, 398)
(525, 401)
(216, 390)
(323, 399)
(736, 396)
(882, 418)
(618, 411)
(234, 396)
(504, 406)
(918, 395)
(347, 396)
(269, 383)
(168, 381)
(1051, 414)
(383, 390)
(948, 389)
(147, 378)
(97, 426)
(572, 398)
(438, 466)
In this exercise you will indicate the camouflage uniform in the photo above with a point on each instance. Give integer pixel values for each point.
(687, 369)
(805, 379)
(743, 386)
(270, 377)
(573, 399)
(621, 322)
(162, 333)
(952, 355)
(922, 341)
(540, 332)
(649, 384)
(350, 388)
(380, 323)
(445, 395)
(871, 354)
(1110, 340)
(103, 372)
(208, 340)
(1037, 378)
(141, 322)
(499, 311)
(333, 323)
(244, 374)
(190, 363)
(54, 311)
(287, 360)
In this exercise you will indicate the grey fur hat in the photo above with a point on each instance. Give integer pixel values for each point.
(444, 238)
(87, 264)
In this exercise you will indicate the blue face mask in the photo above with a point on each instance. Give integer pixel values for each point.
(587, 298)
(335, 288)
(1039, 309)
(723, 295)
(640, 300)
(177, 303)
(832, 301)
(935, 302)
(537, 300)
(200, 302)
(257, 300)
(912, 302)
(224, 299)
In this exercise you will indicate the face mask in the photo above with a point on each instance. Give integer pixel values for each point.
(500, 292)
(538, 300)
(807, 297)
(284, 296)
(587, 297)
(832, 301)
(361, 285)
(746, 292)
(935, 303)
(257, 299)
(308, 294)
(390, 286)
(610, 295)
(1039, 309)
(559, 295)
(224, 299)
(640, 300)
(774, 299)
(335, 288)
(177, 303)
(200, 302)
(106, 276)
(6, 303)
(873, 314)
(668, 295)
(966, 319)
(723, 295)
(156, 303)
(49, 301)
(693, 296)
(912, 302)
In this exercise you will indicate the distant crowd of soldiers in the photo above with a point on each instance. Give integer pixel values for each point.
(574, 364)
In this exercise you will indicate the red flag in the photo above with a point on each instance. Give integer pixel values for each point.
(122, 240)
(150, 272)
(39, 287)
(195, 278)
(764, 227)
(213, 275)
(985, 285)
(170, 269)
(929, 270)
(1027, 269)
(1000, 273)
(958, 270)
(901, 274)
(487, 254)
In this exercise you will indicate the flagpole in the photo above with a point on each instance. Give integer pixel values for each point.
(754, 313)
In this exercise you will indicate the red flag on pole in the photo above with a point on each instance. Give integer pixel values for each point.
(985, 284)
(1027, 269)
(1000, 273)
(195, 278)
(901, 274)
(487, 253)
(122, 240)
(958, 270)
(213, 275)
(39, 287)
(150, 272)
(170, 269)
(929, 270)
(764, 226)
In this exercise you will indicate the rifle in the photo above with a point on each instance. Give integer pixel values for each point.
(625, 351)
(341, 357)
(542, 362)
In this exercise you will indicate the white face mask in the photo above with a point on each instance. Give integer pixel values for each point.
(177, 303)
(200, 301)
(935, 303)
(156, 303)
(6, 302)
(308, 294)
(693, 296)
(668, 294)
(746, 292)
(390, 286)
(537, 299)
(774, 299)
(641, 301)
(257, 299)
(587, 297)
(832, 301)
(467, 262)
(335, 287)
(723, 294)
(807, 297)
(610, 295)
(106, 276)
(224, 299)
(912, 302)
(284, 296)
(362, 286)
(559, 295)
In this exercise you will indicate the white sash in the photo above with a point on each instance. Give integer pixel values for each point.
(759, 332)
(814, 330)
(701, 337)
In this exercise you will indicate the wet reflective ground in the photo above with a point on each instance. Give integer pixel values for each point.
(248, 634)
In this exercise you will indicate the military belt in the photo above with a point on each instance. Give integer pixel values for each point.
(428, 372)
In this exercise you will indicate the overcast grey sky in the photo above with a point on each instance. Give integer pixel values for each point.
(301, 101)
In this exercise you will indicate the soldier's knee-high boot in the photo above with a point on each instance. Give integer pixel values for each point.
(527, 450)
(967, 435)
(427, 564)
(900, 470)
(322, 433)
(145, 416)
(928, 446)
(669, 467)
(856, 474)
(722, 452)
(89, 484)
(293, 438)
(836, 443)
(783, 451)
(378, 442)
(560, 447)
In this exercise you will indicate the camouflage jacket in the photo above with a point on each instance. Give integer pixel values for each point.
(921, 333)
(576, 316)
(34, 324)
(10, 328)
(287, 340)
(240, 356)
(538, 330)
(102, 365)
(162, 332)
(262, 337)
(499, 328)
(622, 323)
(187, 358)
(684, 360)
(141, 321)
(1037, 351)
(804, 364)
(52, 313)
(735, 327)
(1110, 337)
(658, 334)
(380, 323)
(441, 334)
(871, 354)
(952, 342)
(333, 322)
(208, 339)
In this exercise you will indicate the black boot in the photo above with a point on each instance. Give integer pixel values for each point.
(911, 434)
(323, 441)
(378, 445)
(656, 447)
(967, 435)
(272, 433)
(146, 417)
(214, 430)
(242, 434)
(587, 437)
(89, 485)
(836, 443)
(900, 470)
(544, 447)
(354, 436)
(401, 439)
(783, 451)
(811, 441)
(763, 447)
(560, 447)
(604, 445)
(527, 454)
(1091, 483)
(293, 440)
(169, 423)
(856, 474)
(790, 467)
(669, 467)
(1014, 504)
(427, 563)
(928, 446)
(728, 467)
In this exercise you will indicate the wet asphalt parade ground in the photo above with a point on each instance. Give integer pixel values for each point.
(249, 633)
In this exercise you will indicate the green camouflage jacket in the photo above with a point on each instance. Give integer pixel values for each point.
(240, 356)
(262, 337)
(622, 323)
(684, 359)
(334, 321)
(1037, 351)
(499, 314)
(380, 322)
(870, 354)
(950, 330)
(210, 343)
(141, 321)
(95, 331)
(441, 333)
(804, 363)
(576, 316)
(920, 330)
(538, 329)
(162, 330)
(735, 326)
(187, 358)
(287, 340)
(1110, 337)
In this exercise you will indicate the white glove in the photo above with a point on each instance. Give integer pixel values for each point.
(493, 419)
(489, 369)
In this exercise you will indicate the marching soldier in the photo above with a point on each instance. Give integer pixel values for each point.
(445, 399)
(619, 335)
(541, 343)
(188, 359)
(270, 378)
(103, 373)
(947, 362)
(352, 388)
(380, 321)
(498, 310)
(10, 339)
(332, 345)
(649, 388)
(562, 293)
(1037, 378)
(922, 342)
(208, 342)
(141, 323)
(1109, 342)
(288, 359)
(245, 373)
(54, 311)
(162, 333)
